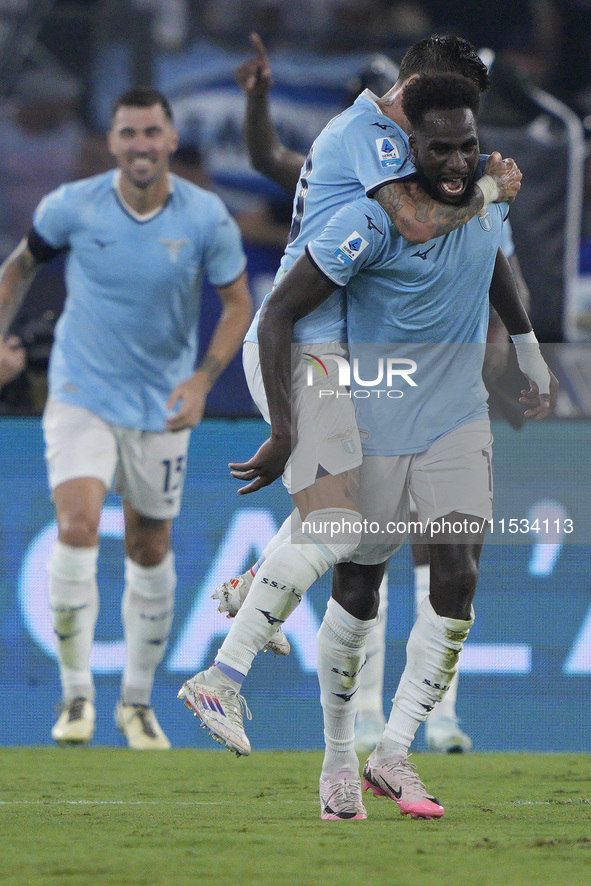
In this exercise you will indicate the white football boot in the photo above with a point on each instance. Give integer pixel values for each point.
(220, 711)
(340, 797)
(140, 727)
(75, 725)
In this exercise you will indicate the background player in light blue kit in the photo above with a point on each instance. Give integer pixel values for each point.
(123, 389)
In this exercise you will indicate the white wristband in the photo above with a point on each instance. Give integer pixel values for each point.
(530, 360)
(528, 338)
(489, 189)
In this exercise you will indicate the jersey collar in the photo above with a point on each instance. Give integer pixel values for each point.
(139, 216)
(372, 99)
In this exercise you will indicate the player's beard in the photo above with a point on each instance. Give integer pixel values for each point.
(142, 184)
(436, 194)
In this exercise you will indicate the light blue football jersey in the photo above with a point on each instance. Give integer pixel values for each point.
(507, 244)
(355, 154)
(129, 330)
(431, 302)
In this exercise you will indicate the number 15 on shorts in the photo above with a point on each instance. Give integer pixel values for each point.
(174, 472)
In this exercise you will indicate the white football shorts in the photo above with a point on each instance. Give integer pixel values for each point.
(453, 475)
(323, 411)
(147, 469)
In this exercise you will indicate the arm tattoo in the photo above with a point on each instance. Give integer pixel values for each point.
(211, 366)
(391, 200)
(441, 217)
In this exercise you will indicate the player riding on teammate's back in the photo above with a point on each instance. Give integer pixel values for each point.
(323, 489)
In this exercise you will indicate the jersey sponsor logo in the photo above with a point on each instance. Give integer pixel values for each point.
(388, 152)
(485, 222)
(174, 247)
(371, 226)
(424, 254)
(351, 248)
(380, 125)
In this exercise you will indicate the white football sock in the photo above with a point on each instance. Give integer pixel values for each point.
(290, 525)
(279, 584)
(371, 684)
(147, 609)
(73, 597)
(275, 592)
(288, 528)
(341, 654)
(432, 653)
(447, 706)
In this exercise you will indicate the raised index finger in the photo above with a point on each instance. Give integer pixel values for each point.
(259, 48)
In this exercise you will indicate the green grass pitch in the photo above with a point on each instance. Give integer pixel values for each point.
(114, 817)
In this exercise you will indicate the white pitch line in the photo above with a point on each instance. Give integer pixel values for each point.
(112, 802)
(574, 802)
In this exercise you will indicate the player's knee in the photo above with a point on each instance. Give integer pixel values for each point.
(357, 588)
(148, 554)
(453, 588)
(460, 578)
(147, 541)
(78, 528)
(336, 530)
